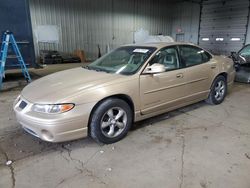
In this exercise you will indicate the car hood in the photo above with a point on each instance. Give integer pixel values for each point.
(60, 86)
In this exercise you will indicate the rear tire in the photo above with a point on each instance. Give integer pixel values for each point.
(218, 91)
(111, 121)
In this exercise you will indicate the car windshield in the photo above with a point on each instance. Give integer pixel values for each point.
(124, 60)
(245, 51)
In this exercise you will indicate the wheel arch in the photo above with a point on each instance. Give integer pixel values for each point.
(220, 74)
(123, 97)
(223, 74)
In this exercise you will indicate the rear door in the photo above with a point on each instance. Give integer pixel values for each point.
(199, 70)
(164, 90)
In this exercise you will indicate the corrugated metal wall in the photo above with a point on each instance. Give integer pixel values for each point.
(224, 25)
(84, 24)
(186, 18)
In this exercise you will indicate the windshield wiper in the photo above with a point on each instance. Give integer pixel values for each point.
(86, 67)
(101, 70)
(95, 69)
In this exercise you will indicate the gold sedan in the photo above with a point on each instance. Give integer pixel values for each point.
(129, 84)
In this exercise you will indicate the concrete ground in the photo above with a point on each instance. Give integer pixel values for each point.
(199, 146)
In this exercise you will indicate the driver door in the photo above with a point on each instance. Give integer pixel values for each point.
(164, 90)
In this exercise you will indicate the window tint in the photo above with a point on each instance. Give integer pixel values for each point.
(192, 55)
(167, 57)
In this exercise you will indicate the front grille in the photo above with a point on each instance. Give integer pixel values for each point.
(22, 104)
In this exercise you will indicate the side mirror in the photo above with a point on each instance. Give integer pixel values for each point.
(155, 68)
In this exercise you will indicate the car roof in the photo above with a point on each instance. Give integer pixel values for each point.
(160, 44)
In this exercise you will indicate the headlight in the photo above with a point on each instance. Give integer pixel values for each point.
(52, 108)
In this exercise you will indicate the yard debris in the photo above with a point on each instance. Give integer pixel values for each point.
(247, 155)
(8, 163)
(109, 169)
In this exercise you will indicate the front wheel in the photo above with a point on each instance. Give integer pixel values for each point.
(218, 91)
(111, 121)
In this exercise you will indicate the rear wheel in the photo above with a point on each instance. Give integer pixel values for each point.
(111, 121)
(218, 91)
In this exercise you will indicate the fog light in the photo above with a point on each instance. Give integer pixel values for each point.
(46, 135)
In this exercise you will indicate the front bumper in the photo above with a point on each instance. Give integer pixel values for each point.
(54, 127)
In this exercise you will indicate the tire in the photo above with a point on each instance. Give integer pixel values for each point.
(111, 121)
(218, 91)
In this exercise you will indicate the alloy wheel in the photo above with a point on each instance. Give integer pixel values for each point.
(114, 122)
(220, 90)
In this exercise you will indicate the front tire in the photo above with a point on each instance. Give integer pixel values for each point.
(111, 121)
(218, 91)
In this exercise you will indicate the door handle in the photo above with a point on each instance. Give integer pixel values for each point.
(213, 66)
(180, 75)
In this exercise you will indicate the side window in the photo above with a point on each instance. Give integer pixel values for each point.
(167, 57)
(206, 56)
(191, 55)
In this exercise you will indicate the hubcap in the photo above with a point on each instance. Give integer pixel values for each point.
(113, 122)
(220, 90)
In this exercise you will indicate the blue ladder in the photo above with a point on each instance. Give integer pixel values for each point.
(8, 38)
